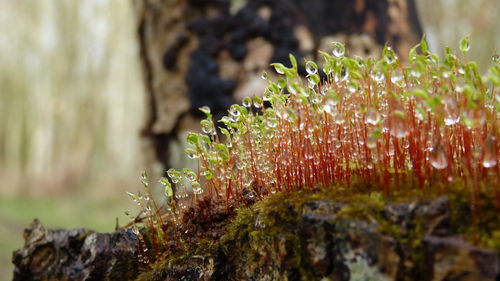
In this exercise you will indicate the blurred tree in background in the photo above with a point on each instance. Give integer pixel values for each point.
(71, 94)
(71, 103)
(446, 21)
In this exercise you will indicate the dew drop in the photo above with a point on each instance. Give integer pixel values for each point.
(207, 128)
(311, 67)
(196, 188)
(191, 154)
(415, 73)
(338, 49)
(279, 70)
(265, 76)
(372, 117)
(390, 58)
(438, 157)
(379, 77)
(191, 176)
(234, 111)
(398, 127)
(495, 58)
(205, 109)
(396, 77)
(352, 88)
(490, 158)
(247, 102)
(271, 123)
(450, 120)
(257, 103)
(371, 142)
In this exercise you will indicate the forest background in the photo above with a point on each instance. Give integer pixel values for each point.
(72, 105)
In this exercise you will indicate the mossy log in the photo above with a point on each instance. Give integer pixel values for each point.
(319, 236)
(304, 235)
(212, 53)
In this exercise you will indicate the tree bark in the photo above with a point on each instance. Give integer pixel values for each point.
(77, 254)
(212, 53)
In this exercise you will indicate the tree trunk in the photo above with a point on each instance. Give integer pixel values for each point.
(212, 53)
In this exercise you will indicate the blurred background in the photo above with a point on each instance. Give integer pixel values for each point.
(72, 101)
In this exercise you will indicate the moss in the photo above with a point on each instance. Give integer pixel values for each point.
(264, 239)
(268, 228)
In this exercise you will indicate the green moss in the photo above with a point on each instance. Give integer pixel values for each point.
(267, 228)
(267, 233)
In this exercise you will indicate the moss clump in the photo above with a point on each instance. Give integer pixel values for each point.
(270, 238)
(398, 151)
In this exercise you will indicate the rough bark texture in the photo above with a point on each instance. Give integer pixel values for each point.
(212, 53)
(288, 236)
(78, 254)
(282, 239)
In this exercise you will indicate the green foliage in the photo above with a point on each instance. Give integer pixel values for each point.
(381, 121)
(424, 126)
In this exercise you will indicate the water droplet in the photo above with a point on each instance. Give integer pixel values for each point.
(279, 70)
(352, 88)
(396, 76)
(234, 111)
(451, 120)
(390, 58)
(398, 127)
(495, 58)
(190, 175)
(207, 128)
(372, 117)
(379, 77)
(144, 179)
(438, 158)
(371, 142)
(171, 173)
(490, 158)
(196, 188)
(432, 59)
(453, 115)
(271, 123)
(257, 102)
(247, 102)
(415, 73)
(191, 154)
(328, 108)
(265, 76)
(311, 67)
(338, 49)
(205, 109)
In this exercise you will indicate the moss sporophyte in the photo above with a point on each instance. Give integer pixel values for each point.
(423, 126)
